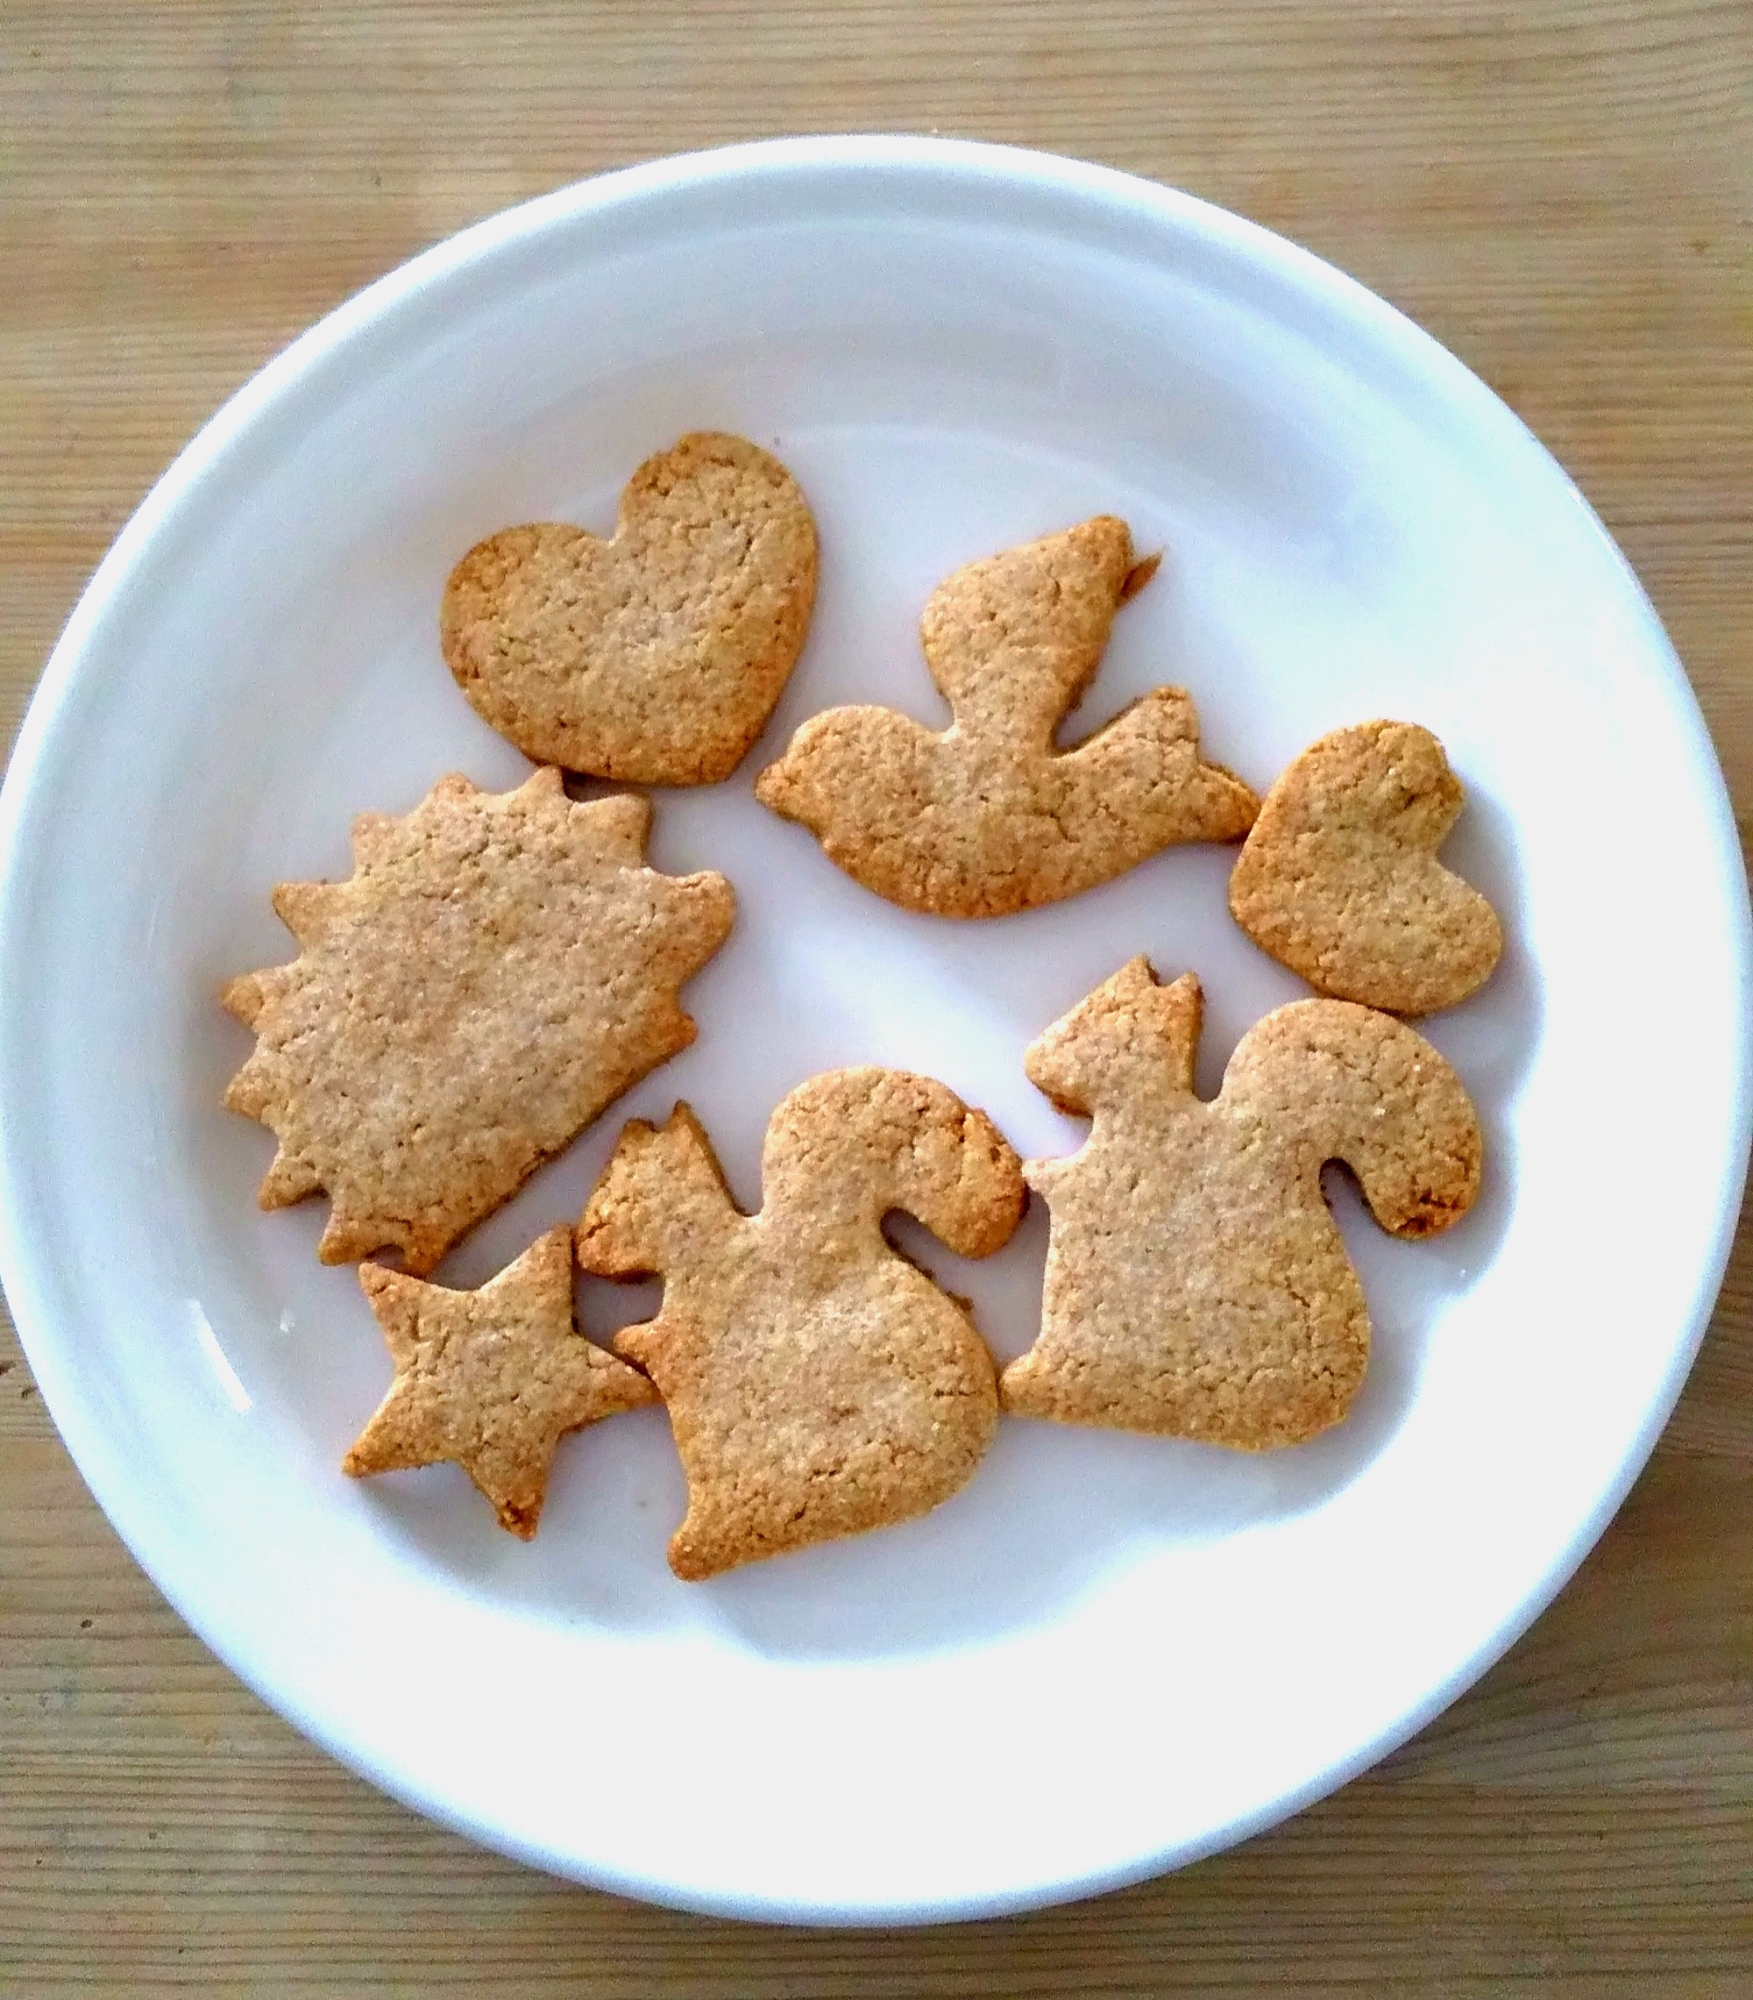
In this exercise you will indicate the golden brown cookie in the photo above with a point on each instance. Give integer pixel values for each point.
(818, 1383)
(490, 1380)
(654, 657)
(1196, 1284)
(988, 817)
(495, 971)
(1339, 879)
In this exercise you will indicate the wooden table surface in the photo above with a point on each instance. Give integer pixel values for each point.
(1563, 194)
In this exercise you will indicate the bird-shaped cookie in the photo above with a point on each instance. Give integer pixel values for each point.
(1197, 1285)
(818, 1383)
(987, 817)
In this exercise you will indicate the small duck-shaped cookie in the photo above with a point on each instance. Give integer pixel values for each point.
(987, 817)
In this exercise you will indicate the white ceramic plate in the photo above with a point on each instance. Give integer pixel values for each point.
(1109, 1654)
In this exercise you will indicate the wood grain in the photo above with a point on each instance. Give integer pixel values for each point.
(1562, 190)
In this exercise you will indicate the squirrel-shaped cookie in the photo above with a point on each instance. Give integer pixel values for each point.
(818, 1384)
(987, 817)
(1339, 878)
(1197, 1285)
(654, 656)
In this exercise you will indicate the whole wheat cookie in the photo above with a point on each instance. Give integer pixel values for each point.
(1339, 879)
(654, 657)
(1196, 1283)
(818, 1384)
(496, 970)
(490, 1380)
(987, 817)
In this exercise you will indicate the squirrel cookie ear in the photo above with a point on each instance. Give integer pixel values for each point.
(661, 1193)
(1132, 1031)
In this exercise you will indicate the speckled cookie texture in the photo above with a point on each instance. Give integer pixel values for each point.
(497, 969)
(654, 657)
(1339, 879)
(818, 1384)
(987, 817)
(490, 1380)
(1196, 1284)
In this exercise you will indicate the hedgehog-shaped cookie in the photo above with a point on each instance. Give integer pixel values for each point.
(497, 969)
(1196, 1283)
(818, 1384)
(987, 817)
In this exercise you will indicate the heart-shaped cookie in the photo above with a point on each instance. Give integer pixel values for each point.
(654, 657)
(1339, 878)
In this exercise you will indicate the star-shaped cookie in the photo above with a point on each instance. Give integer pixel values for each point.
(490, 1380)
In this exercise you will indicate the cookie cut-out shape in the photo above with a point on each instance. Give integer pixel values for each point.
(654, 657)
(497, 969)
(817, 1382)
(490, 1380)
(1197, 1285)
(987, 817)
(1339, 879)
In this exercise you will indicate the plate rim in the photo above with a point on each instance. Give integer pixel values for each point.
(1173, 210)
